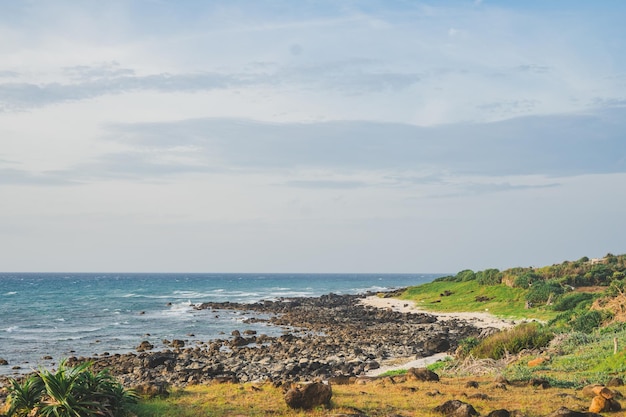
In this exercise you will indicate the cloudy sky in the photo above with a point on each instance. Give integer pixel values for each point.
(310, 136)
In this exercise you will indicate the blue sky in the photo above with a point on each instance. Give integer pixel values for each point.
(312, 136)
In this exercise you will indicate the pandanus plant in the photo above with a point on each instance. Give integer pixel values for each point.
(69, 392)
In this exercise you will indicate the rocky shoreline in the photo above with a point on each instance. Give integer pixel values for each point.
(329, 337)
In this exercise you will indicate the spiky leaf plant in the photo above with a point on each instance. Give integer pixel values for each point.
(69, 392)
(24, 397)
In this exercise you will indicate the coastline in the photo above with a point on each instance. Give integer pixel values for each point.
(324, 337)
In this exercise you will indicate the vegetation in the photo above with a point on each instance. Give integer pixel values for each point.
(69, 392)
(512, 341)
(581, 311)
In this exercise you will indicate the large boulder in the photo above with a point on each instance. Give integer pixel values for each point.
(456, 408)
(308, 396)
(601, 404)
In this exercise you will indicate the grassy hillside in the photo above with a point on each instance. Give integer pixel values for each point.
(579, 295)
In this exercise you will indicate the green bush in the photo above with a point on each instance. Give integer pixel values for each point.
(572, 301)
(466, 275)
(526, 280)
(587, 321)
(69, 392)
(523, 336)
(489, 277)
(539, 292)
(466, 345)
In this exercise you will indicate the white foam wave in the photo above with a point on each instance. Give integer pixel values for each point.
(11, 293)
(11, 329)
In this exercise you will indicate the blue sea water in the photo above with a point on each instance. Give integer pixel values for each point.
(86, 314)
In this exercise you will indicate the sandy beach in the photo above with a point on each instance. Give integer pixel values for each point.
(477, 319)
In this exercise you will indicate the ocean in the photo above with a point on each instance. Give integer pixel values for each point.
(87, 314)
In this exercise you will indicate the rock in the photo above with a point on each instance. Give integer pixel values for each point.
(615, 382)
(145, 345)
(152, 389)
(456, 408)
(471, 384)
(539, 382)
(600, 404)
(437, 345)
(566, 412)
(421, 374)
(597, 390)
(177, 343)
(309, 396)
(341, 380)
(499, 413)
(3, 361)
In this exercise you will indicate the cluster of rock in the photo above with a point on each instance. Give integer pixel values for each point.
(329, 336)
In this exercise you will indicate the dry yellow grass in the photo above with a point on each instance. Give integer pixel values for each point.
(378, 398)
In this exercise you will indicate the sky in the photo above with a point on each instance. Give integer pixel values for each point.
(310, 136)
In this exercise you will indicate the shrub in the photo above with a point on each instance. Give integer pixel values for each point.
(524, 336)
(526, 280)
(489, 277)
(466, 345)
(466, 275)
(572, 301)
(587, 321)
(68, 392)
(539, 292)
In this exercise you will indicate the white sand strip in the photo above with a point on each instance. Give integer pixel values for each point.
(478, 319)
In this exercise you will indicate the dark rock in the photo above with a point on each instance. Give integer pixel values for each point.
(309, 396)
(177, 343)
(539, 382)
(499, 413)
(422, 374)
(437, 344)
(471, 384)
(152, 389)
(456, 408)
(145, 345)
(3, 361)
(566, 412)
(615, 382)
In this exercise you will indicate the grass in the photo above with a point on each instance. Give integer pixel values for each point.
(379, 398)
(504, 301)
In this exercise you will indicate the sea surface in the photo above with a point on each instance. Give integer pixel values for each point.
(86, 314)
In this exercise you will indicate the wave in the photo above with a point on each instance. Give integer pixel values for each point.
(11, 293)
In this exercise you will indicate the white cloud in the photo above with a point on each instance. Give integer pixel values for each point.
(318, 136)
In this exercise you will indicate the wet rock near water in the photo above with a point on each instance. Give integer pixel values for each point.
(332, 336)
